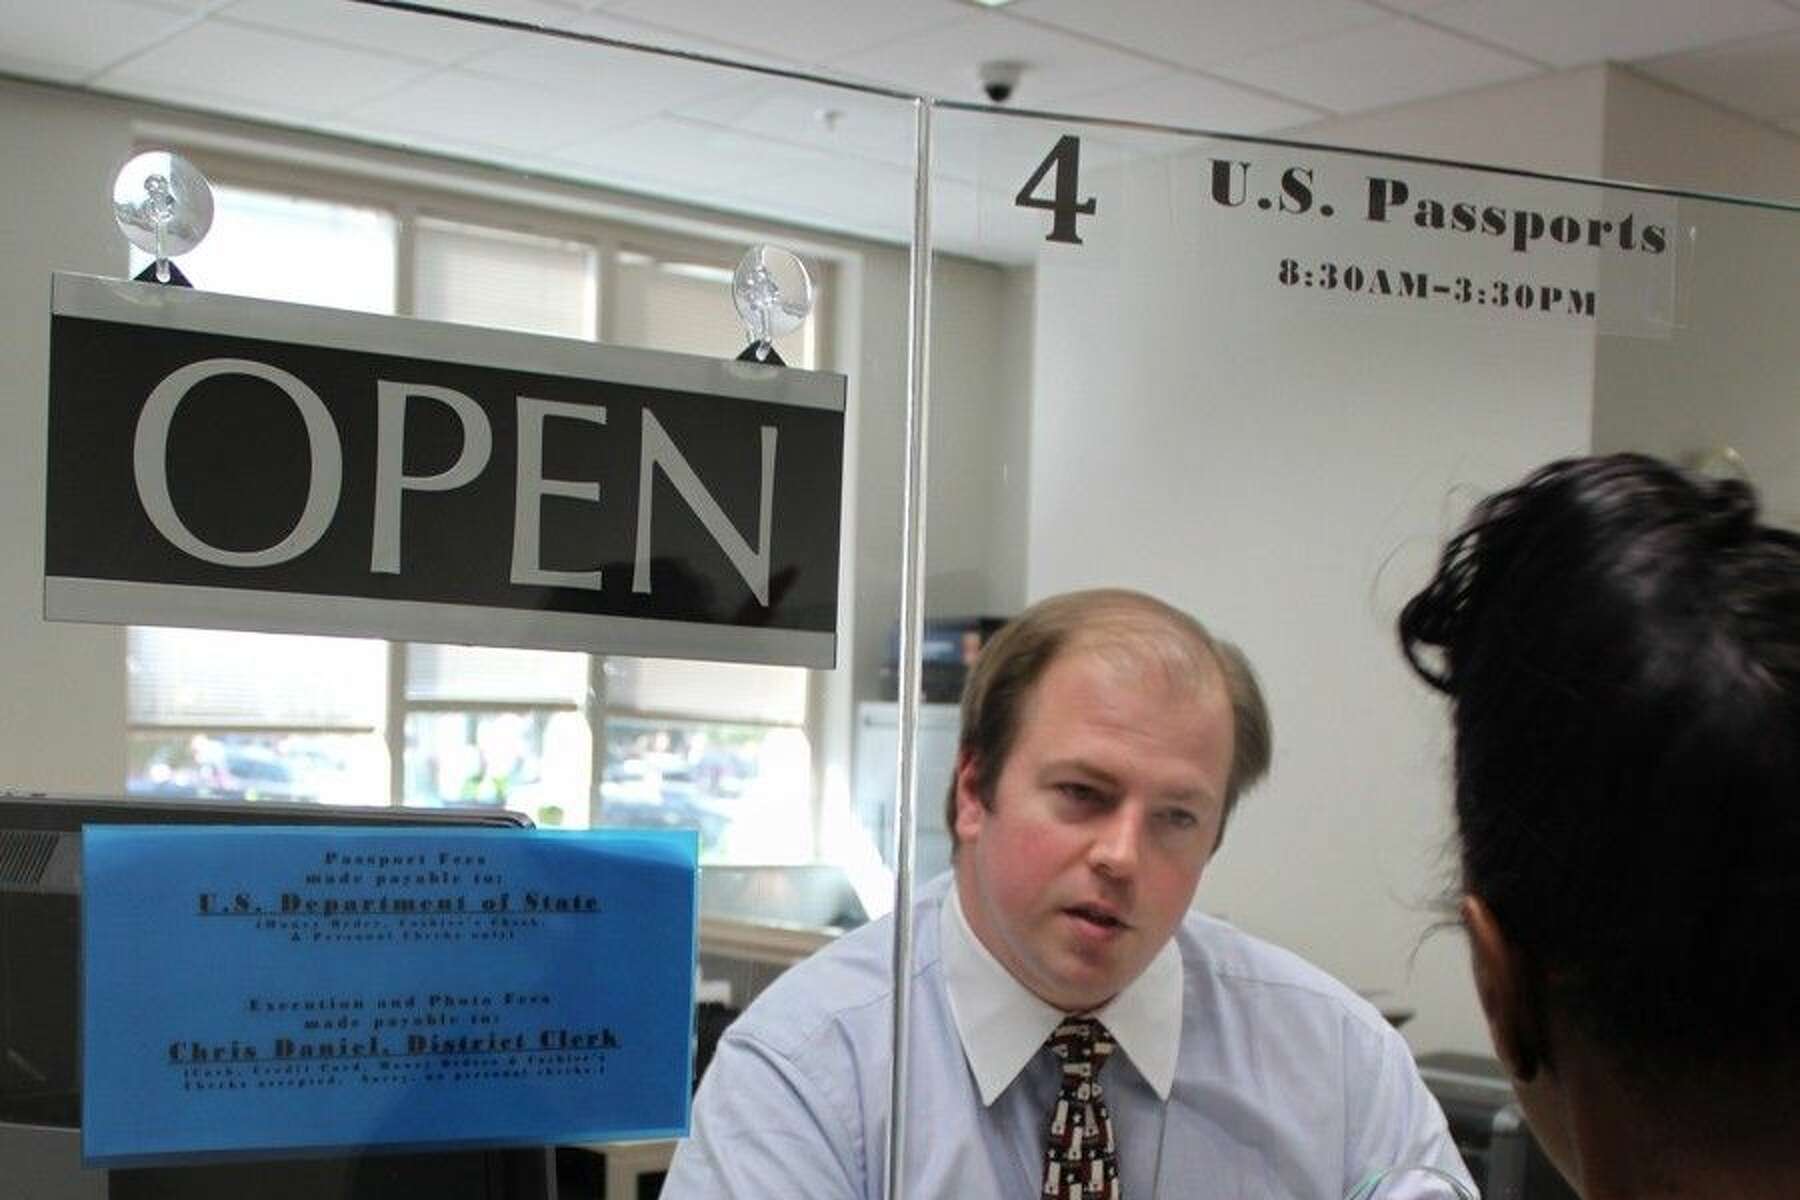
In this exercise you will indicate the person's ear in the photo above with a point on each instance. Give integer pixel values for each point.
(970, 810)
(1504, 988)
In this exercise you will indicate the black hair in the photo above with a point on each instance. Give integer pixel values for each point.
(1620, 642)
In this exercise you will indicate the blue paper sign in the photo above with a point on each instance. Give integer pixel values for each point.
(288, 990)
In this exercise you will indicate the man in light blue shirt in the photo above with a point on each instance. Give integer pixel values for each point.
(1105, 738)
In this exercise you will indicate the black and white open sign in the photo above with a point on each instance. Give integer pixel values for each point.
(231, 463)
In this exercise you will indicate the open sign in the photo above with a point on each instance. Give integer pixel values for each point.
(217, 461)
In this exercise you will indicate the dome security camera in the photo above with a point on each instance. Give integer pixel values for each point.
(999, 79)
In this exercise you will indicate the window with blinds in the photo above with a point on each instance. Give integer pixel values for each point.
(718, 747)
(266, 716)
(667, 302)
(504, 280)
(295, 248)
(263, 716)
(567, 738)
(200, 677)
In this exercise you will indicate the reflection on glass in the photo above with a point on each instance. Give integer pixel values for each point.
(529, 761)
(220, 713)
(328, 768)
(745, 788)
(1411, 1183)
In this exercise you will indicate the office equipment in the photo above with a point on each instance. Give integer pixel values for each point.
(947, 649)
(1489, 1130)
(875, 765)
(615, 1171)
(791, 895)
(756, 922)
(40, 1097)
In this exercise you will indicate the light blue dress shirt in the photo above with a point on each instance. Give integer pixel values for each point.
(1284, 1085)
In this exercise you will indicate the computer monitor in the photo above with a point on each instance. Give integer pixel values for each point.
(40, 1017)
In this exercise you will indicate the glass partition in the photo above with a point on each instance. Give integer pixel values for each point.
(1258, 378)
(757, 759)
(622, 233)
(1263, 380)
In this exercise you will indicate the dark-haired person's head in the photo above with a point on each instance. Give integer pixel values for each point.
(1620, 643)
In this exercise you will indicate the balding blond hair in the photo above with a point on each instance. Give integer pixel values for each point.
(1120, 625)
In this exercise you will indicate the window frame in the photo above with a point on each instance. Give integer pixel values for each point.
(619, 229)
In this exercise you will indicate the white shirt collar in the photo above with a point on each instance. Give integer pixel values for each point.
(1002, 1024)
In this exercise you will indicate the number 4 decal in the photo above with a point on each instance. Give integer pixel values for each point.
(1065, 158)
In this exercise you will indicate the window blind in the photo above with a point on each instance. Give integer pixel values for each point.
(685, 306)
(504, 280)
(707, 690)
(490, 674)
(213, 677)
(294, 248)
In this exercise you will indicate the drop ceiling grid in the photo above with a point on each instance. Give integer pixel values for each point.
(521, 100)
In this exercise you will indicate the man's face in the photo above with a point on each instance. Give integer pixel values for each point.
(1103, 817)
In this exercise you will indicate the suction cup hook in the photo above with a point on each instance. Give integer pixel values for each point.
(164, 207)
(773, 294)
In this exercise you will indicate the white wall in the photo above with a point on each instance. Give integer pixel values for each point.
(1544, 123)
(1728, 376)
(1283, 472)
(1286, 468)
(980, 381)
(1658, 135)
(62, 713)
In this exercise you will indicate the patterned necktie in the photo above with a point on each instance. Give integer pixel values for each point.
(1080, 1159)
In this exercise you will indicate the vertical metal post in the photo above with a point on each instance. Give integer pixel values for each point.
(393, 721)
(399, 654)
(912, 594)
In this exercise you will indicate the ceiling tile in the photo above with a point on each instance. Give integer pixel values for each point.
(725, 169)
(1760, 77)
(665, 145)
(186, 7)
(536, 12)
(645, 33)
(1197, 33)
(998, 153)
(414, 35)
(943, 61)
(70, 42)
(808, 30)
(1566, 34)
(456, 109)
(876, 131)
(877, 201)
(1375, 67)
(613, 86)
(831, 120)
(1195, 102)
(218, 63)
(724, 138)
